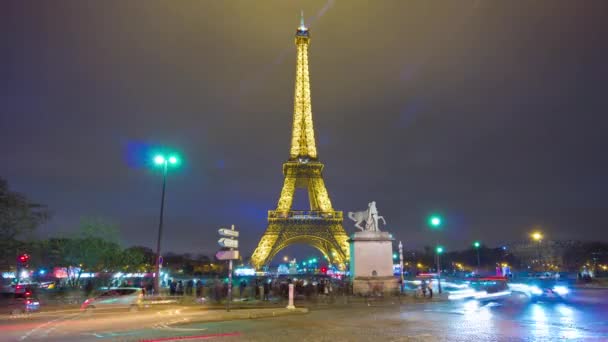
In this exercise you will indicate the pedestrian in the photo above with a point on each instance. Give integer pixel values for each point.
(199, 288)
(88, 287)
(242, 287)
(179, 289)
(266, 289)
(189, 286)
(172, 287)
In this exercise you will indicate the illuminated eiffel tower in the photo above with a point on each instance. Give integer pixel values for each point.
(321, 226)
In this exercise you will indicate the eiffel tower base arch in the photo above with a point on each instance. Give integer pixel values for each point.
(326, 234)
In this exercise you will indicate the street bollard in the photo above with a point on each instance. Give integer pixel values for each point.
(290, 304)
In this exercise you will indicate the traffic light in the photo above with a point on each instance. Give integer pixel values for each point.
(476, 244)
(439, 249)
(324, 270)
(23, 259)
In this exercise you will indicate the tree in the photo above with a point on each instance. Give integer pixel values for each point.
(94, 248)
(137, 259)
(18, 216)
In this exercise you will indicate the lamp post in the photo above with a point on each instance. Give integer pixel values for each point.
(164, 162)
(438, 252)
(538, 237)
(401, 263)
(477, 244)
(435, 222)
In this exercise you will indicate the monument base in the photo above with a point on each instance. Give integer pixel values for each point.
(375, 286)
(371, 263)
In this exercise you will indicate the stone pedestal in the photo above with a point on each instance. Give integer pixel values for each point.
(371, 263)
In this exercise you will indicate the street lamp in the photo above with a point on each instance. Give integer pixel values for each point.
(401, 265)
(285, 258)
(435, 221)
(538, 237)
(477, 244)
(438, 252)
(164, 162)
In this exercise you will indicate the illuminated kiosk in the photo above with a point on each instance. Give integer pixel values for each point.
(371, 256)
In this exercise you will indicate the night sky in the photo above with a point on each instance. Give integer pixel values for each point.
(491, 113)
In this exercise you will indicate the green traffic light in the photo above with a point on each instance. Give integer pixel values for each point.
(439, 249)
(476, 244)
(394, 255)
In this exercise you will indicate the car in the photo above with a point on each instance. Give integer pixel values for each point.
(130, 298)
(548, 290)
(18, 303)
(490, 288)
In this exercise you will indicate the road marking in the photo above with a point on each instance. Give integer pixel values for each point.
(178, 338)
(44, 325)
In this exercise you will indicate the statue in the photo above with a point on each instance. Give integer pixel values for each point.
(370, 216)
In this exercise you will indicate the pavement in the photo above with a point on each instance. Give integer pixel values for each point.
(344, 319)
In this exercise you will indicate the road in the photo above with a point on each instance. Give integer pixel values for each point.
(412, 320)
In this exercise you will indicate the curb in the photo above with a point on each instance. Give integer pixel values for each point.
(241, 314)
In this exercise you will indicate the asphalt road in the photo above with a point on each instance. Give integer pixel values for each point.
(583, 319)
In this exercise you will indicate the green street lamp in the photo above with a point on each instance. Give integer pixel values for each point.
(476, 245)
(435, 221)
(164, 162)
(438, 252)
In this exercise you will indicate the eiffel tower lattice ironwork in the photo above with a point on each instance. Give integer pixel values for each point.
(321, 226)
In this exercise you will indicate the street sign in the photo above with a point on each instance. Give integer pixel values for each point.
(225, 242)
(227, 255)
(228, 232)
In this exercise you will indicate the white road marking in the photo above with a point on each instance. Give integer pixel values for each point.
(44, 325)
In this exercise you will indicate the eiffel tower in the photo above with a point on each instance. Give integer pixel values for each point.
(321, 225)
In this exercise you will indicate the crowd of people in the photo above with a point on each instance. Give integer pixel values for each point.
(254, 287)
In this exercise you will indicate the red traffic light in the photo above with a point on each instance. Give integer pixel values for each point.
(323, 269)
(24, 258)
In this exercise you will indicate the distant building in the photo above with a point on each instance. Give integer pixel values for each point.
(548, 255)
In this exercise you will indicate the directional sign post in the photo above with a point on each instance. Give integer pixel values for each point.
(228, 232)
(227, 255)
(229, 241)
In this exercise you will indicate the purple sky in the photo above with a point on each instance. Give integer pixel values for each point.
(492, 113)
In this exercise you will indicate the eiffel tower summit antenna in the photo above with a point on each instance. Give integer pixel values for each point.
(319, 226)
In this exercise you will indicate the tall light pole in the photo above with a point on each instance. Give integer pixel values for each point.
(438, 252)
(435, 222)
(538, 237)
(401, 263)
(477, 244)
(164, 162)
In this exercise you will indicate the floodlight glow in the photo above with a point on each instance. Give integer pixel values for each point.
(159, 160)
(435, 221)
